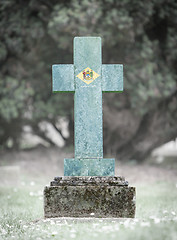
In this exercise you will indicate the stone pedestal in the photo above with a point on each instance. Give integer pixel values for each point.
(89, 197)
(89, 167)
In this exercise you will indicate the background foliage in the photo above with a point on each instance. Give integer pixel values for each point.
(140, 34)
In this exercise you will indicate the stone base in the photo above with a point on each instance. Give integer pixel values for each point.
(89, 167)
(106, 197)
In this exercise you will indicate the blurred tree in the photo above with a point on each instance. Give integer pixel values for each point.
(141, 35)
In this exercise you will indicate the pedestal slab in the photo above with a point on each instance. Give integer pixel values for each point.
(89, 197)
(89, 167)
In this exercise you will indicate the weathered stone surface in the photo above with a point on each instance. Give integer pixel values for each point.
(85, 181)
(88, 122)
(88, 100)
(89, 167)
(113, 82)
(81, 196)
(90, 195)
(62, 81)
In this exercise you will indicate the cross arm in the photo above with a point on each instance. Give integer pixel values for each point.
(63, 78)
(112, 77)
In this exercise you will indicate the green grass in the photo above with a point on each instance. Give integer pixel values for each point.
(21, 216)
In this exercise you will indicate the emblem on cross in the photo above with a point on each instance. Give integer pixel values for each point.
(88, 75)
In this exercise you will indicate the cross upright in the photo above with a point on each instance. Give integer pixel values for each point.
(88, 78)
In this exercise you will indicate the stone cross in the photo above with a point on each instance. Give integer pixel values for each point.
(88, 78)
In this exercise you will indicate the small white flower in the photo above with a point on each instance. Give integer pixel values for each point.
(136, 220)
(3, 231)
(92, 214)
(73, 235)
(145, 224)
(31, 194)
(47, 220)
(54, 233)
(8, 197)
(156, 220)
(126, 223)
(173, 213)
(95, 224)
(107, 228)
(165, 211)
(32, 183)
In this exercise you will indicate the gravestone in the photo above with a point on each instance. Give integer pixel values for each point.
(89, 186)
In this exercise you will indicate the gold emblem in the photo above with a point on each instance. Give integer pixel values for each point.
(88, 75)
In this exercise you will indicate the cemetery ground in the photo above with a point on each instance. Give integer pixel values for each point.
(24, 174)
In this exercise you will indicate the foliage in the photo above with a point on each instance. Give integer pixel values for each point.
(35, 34)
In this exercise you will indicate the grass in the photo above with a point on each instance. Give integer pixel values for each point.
(21, 216)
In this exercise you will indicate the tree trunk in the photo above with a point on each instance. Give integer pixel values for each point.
(155, 128)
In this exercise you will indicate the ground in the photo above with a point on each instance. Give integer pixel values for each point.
(24, 174)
